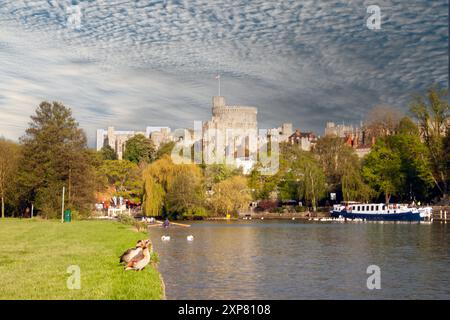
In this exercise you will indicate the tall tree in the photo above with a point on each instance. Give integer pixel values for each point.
(185, 194)
(108, 153)
(382, 170)
(165, 149)
(9, 158)
(123, 176)
(230, 195)
(432, 114)
(300, 173)
(55, 154)
(139, 149)
(312, 184)
(382, 121)
(153, 196)
(337, 159)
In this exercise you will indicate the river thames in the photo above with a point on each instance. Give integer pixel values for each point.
(301, 260)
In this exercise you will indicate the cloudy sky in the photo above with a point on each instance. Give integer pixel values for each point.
(130, 63)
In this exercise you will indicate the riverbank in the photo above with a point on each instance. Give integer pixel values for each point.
(35, 256)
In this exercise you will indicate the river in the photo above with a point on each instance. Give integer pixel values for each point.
(302, 260)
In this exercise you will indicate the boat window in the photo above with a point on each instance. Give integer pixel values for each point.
(359, 208)
(384, 207)
(371, 208)
(367, 208)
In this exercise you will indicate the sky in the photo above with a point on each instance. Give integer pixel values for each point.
(132, 64)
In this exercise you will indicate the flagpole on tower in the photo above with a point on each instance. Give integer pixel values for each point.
(218, 76)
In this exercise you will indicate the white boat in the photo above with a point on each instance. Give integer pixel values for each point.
(376, 211)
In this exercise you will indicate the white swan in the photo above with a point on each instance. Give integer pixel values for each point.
(165, 238)
(190, 238)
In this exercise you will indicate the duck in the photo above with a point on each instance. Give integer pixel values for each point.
(132, 252)
(190, 238)
(141, 260)
(165, 238)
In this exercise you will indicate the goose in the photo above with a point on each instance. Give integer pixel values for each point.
(165, 238)
(132, 252)
(190, 238)
(141, 260)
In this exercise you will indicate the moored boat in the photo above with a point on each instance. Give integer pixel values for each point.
(376, 212)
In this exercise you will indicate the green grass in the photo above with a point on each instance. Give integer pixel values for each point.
(35, 255)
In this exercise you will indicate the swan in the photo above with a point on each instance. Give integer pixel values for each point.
(190, 238)
(165, 238)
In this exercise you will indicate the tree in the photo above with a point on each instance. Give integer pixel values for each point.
(108, 153)
(9, 158)
(230, 195)
(139, 148)
(336, 158)
(353, 186)
(185, 194)
(153, 197)
(433, 117)
(165, 149)
(300, 174)
(216, 173)
(382, 121)
(312, 185)
(382, 170)
(180, 186)
(55, 154)
(124, 176)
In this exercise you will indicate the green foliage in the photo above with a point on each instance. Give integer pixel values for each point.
(216, 173)
(124, 176)
(230, 195)
(432, 114)
(55, 155)
(139, 149)
(172, 189)
(165, 149)
(108, 153)
(125, 219)
(153, 196)
(10, 154)
(381, 170)
(154, 257)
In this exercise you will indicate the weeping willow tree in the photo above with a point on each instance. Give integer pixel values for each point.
(172, 189)
(153, 197)
(354, 188)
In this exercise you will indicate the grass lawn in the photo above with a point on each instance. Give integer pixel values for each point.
(35, 255)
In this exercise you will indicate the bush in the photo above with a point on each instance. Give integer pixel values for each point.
(300, 209)
(196, 212)
(125, 219)
(267, 205)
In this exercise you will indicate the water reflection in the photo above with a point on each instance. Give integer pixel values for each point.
(295, 260)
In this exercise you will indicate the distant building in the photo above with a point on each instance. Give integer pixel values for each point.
(355, 137)
(283, 132)
(232, 130)
(117, 139)
(305, 140)
(340, 130)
